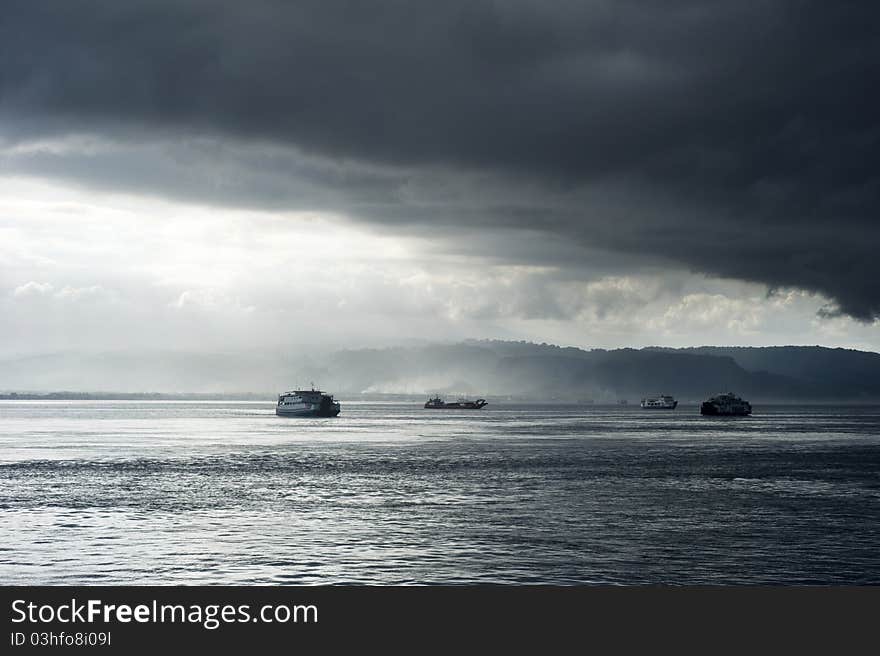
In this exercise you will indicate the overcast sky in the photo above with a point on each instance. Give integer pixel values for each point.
(223, 176)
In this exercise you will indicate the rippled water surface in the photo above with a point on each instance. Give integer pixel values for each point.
(196, 492)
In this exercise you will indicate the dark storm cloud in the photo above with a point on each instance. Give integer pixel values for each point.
(738, 139)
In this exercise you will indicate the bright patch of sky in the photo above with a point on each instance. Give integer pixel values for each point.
(88, 270)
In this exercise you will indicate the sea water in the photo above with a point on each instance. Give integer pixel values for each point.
(121, 492)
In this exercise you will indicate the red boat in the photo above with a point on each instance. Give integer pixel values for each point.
(436, 403)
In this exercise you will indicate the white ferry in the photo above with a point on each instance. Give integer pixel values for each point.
(662, 402)
(307, 403)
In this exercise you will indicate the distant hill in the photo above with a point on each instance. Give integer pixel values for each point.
(524, 370)
(845, 372)
(543, 371)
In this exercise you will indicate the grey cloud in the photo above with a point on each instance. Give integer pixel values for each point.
(735, 139)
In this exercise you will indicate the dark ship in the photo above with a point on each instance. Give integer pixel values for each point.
(436, 403)
(727, 405)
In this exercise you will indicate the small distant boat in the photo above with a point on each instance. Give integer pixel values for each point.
(307, 403)
(622, 402)
(436, 403)
(662, 402)
(727, 405)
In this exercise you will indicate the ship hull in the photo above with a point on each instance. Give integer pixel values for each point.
(711, 410)
(307, 412)
(671, 406)
(455, 406)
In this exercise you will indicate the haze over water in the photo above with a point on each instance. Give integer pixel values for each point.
(197, 492)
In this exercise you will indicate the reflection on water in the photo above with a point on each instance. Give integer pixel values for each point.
(194, 492)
